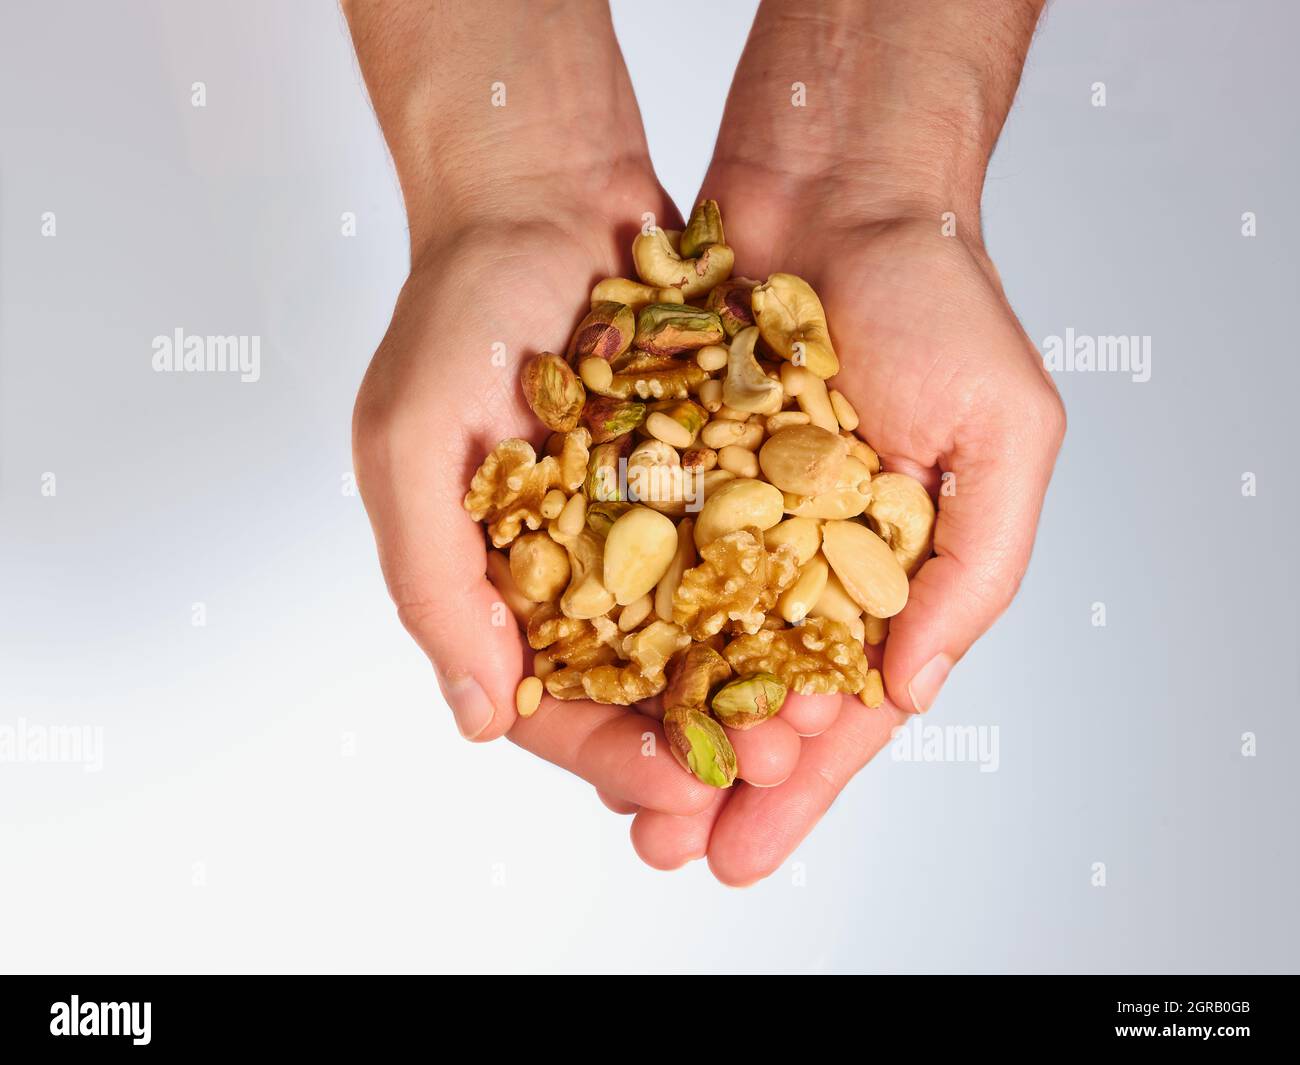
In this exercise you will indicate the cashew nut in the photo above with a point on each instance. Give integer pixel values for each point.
(659, 263)
(746, 387)
(793, 323)
(904, 513)
(633, 293)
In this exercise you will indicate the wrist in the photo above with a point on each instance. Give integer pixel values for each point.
(492, 110)
(881, 110)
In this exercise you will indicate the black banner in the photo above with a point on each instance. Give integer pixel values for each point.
(166, 1014)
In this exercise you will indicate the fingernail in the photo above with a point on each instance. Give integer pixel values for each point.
(924, 688)
(470, 704)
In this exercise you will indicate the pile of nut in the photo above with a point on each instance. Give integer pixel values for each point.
(704, 525)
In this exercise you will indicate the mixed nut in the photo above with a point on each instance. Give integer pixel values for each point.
(703, 525)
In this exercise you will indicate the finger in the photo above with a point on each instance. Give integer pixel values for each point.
(616, 804)
(982, 542)
(667, 841)
(810, 715)
(621, 752)
(433, 558)
(759, 828)
(765, 754)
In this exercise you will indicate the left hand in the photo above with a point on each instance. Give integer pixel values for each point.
(946, 384)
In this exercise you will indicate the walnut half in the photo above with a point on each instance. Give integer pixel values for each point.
(508, 489)
(738, 581)
(816, 657)
(643, 676)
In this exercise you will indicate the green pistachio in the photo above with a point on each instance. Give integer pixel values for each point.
(608, 417)
(692, 673)
(671, 328)
(553, 391)
(604, 333)
(731, 299)
(703, 229)
(700, 745)
(600, 516)
(749, 701)
(602, 483)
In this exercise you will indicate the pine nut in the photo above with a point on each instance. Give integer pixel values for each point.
(528, 696)
(710, 396)
(844, 412)
(552, 503)
(574, 515)
(738, 460)
(596, 374)
(711, 357)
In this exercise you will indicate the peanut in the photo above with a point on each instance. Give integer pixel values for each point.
(738, 504)
(804, 459)
(539, 566)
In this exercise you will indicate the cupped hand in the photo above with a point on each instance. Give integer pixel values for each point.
(441, 391)
(950, 390)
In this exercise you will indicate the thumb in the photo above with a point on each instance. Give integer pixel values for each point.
(433, 558)
(989, 504)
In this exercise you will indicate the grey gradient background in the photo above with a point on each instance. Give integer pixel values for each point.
(225, 744)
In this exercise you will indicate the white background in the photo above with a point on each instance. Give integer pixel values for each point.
(229, 829)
